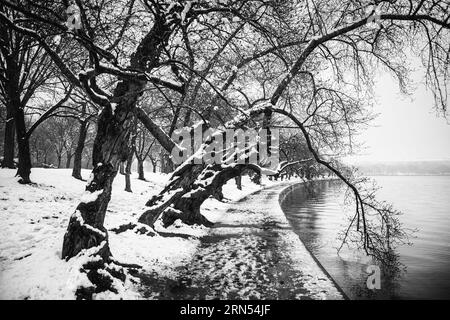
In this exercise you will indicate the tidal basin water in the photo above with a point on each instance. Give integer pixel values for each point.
(317, 214)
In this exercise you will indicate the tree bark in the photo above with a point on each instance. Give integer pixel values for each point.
(59, 157)
(89, 231)
(238, 182)
(188, 189)
(181, 182)
(122, 168)
(110, 149)
(23, 143)
(166, 163)
(9, 143)
(128, 174)
(140, 169)
(68, 160)
(191, 184)
(129, 161)
(256, 178)
(154, 164)
(78, 156)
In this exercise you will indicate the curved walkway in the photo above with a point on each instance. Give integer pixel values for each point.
(250, 253)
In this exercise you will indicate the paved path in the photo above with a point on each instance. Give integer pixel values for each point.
(250, 253)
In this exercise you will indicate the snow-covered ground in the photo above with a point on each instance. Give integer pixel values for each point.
(250, 253)
(33, 220)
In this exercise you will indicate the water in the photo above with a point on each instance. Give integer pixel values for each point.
(319, 216)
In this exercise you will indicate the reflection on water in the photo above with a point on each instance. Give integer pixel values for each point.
(317, 214)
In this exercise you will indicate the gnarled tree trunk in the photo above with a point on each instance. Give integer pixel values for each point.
(85, 230)
(188, 189)
(110, 149)
(191, 184)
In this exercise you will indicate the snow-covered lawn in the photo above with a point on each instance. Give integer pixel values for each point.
(33, 220)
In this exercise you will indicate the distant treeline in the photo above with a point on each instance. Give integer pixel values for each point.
(441, 167)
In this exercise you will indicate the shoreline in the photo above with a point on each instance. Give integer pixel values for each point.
(282, 195)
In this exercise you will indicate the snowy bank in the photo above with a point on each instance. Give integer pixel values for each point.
(34, 218)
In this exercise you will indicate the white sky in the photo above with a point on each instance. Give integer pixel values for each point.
(407, 127)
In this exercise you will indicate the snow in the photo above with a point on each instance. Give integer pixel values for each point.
(34, 218)
(57, 40)
(246, 218)
(88, 196)
(113, 107)
(33, 221)
(80, 219)
(251, 253)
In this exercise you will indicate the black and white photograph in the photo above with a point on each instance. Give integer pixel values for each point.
(227, 150)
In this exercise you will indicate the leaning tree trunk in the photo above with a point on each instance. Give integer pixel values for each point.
(8, 145)
(86, 229)
(78, 156)
(23, 143)
(187, 208)
(180, 183)
(85, 233)
(189, 187)
(191, 184)
(110, 149)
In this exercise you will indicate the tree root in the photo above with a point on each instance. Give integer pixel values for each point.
(102, 275)
(138, 228)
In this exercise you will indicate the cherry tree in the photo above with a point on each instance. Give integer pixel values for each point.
(233, 65)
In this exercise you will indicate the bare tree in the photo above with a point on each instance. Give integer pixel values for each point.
(24, 69)
(142, 150)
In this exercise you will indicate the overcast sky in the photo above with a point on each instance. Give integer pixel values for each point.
(407, 127)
